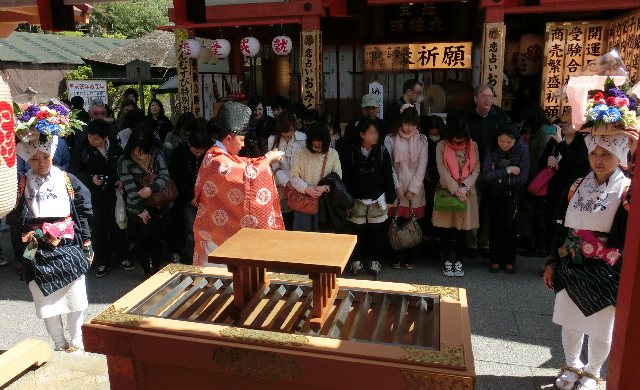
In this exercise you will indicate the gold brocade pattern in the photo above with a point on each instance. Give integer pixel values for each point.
(174, 268)
(113, 316)
(443, 292)
(289, 277)
(419, 380)
(446, 355)
(264, 337)
(255, 363)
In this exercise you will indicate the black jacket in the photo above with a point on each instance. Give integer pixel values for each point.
(484, 128)
(368, 177)
(184, 171)
(333, 205)
(494, 172)
(87, 161)
(392, 114)
(573, 165)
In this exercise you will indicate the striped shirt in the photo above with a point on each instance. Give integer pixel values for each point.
(131, 175)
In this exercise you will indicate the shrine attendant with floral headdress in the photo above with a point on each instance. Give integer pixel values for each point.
(53, 208)
(584, 270)
(233, 192)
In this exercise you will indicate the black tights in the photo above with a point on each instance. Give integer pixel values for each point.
(371, 241)
(447, 236)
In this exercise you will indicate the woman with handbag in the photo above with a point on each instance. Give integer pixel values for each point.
(288, 140)
(54, 210)
(567, 155)
(455, 208)
(505, 170)
(408, 149)
(309, 166)
(142, 161)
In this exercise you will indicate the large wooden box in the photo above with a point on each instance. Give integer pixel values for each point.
(175, 331)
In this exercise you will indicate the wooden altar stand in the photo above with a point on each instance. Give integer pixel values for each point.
(250, 252)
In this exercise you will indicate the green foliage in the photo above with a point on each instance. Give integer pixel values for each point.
(70, 33)
(83, 72)
(131, 19)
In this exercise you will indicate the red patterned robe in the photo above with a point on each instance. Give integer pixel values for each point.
(232, 192)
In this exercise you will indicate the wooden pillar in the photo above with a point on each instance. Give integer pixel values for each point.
(492, 64)
(187, 76)
(311, 63)
(623, 373)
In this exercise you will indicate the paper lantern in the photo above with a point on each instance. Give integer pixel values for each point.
(282, 45)
(531, 54)
(249, 46)
(8, 166)
(191, 48)
(511, 58)
(220, 48)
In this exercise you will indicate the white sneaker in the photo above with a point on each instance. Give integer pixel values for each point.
(356, 266)
(375, 268)
(447, 269)
(457, 269)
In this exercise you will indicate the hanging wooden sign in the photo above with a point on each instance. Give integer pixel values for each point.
(493, 41)
(311, 68)
(417, 56)
(187, 75)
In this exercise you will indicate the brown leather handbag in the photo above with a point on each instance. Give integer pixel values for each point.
(306, 203)
(160, 198)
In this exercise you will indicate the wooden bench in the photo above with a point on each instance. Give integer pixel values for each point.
(250, 252)
(28, 353)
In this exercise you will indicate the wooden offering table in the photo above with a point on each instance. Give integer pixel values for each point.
(250, 252)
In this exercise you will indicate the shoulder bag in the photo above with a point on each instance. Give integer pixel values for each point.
(444, 200)
(306, 203)
(160, 198)
(407, 235)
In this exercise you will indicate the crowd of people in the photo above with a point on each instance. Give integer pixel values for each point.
(409, 186)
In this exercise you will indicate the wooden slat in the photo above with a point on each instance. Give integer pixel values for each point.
(28, 353)
(381, 320)
(363, 309)
(201, 282)
(295, 295)
(203, 299)
(157, 307)
(297, 323)
(266, 310)
(420, 317)
(401, 319)
(341, 316)
(215, 305)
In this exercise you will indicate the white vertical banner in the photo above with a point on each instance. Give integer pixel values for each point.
(208, 97)
(345, 62)
(330, 72)
(378, 89)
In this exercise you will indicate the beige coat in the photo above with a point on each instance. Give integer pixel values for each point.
(461, 220)
(407, 179)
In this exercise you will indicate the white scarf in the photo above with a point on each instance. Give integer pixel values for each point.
(47, 197)
(593, 206)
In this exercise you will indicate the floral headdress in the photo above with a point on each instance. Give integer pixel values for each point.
(612, 106)
(45, 121)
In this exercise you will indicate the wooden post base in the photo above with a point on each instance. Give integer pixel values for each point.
(325, 290)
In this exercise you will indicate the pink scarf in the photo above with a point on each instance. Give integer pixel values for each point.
(413, 141)
(451, 160)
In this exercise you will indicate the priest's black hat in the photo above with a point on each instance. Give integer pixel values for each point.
(233, 117)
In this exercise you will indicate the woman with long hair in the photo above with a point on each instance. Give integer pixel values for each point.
(157, 118)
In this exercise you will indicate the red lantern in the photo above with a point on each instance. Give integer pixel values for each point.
(282, 45)
(220, 48)
(8, 166)
(249, 46)
(191, 48)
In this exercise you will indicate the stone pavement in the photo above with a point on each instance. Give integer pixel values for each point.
(515, 344)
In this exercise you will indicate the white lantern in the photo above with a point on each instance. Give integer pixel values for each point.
(191, 48)
(282, 45)
(249, 46)
(220, 48)
(531, 54)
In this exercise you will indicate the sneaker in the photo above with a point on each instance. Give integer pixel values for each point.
(447, 269)
(175, 258)
(408, 266)
(457, 269)
(375, 268)
(355, 267)
(395, 266)
(127, 265)
(3, 262)
(102, 271)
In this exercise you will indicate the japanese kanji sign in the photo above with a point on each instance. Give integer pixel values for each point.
(569, 47)
(416, 56)
(89, 90)
(493, 57)
(624, 35)
(187, 75)
(311, 68)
